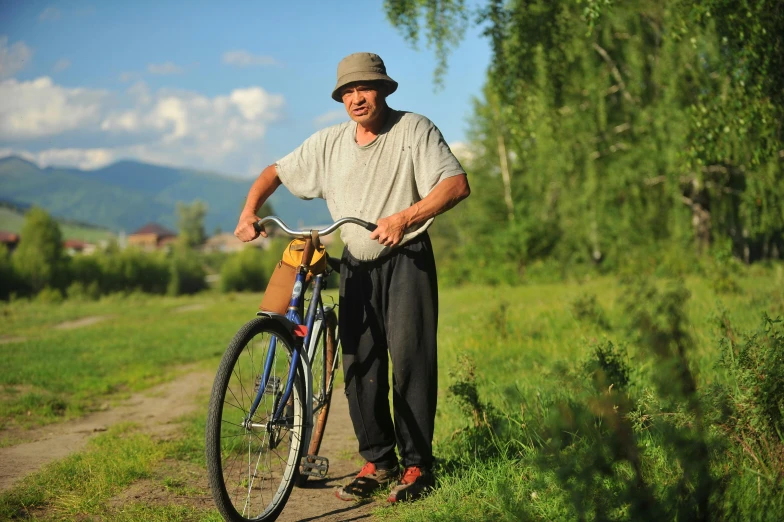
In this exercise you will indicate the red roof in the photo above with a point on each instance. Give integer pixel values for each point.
(155, 228)
(8, 237)
(75, 244)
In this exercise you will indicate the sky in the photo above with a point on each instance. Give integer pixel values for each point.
(221, 86)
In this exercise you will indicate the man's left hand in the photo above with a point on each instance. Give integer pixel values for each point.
(390, 230)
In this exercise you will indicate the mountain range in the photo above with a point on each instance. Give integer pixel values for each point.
(128, 194)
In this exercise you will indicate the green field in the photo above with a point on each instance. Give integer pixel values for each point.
(12, 221)
(515, 377)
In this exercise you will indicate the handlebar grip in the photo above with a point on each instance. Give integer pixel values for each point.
(371, 227)
(257, 226)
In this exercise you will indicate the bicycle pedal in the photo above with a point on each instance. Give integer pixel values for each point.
(315, 466)
(273, 384)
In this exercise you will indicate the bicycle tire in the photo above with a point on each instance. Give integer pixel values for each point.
(260, 492)
(327, 366)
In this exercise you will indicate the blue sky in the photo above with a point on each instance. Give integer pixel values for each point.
(224, 86)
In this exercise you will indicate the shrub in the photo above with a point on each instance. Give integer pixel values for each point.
(131, 269)
(608, 366)
(9, 281)
(186, 273)
(85, 270)
(49, 295)
(83, 291)
(757, 368)
(587, 308)
(245, 272)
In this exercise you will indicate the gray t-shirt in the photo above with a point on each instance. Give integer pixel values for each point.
(391, 173)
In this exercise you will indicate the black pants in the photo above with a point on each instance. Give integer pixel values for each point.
(391, 305)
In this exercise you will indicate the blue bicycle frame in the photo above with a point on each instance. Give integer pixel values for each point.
(315, 310)
(292, 320)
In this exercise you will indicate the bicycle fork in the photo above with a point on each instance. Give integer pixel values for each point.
(280, 402)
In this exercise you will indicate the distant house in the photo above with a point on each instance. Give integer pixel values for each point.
(151, 237)
(9, 239)
(75, 246)
(229, 243)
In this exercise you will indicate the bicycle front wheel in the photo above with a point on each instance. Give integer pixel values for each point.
(252, 462)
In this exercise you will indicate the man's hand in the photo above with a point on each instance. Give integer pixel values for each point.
(390, 230)
(261, 189)
(245, 231)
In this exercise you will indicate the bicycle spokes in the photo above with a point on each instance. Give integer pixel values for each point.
(258, 449)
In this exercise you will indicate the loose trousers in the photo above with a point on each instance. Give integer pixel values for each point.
(390, 306)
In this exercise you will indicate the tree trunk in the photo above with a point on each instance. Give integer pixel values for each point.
(505, 177)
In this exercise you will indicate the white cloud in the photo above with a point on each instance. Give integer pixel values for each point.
(38, 108)
(187, 117)
(255, 103)
(242, 58)
(170, 114)
(124, 121)
(13, 59)
(172, 127)
(29, 156)
(164, 68)
(62, 64)
(330, 117)
(462, 151)
(80, 158)
(51, 13)
(140, 93)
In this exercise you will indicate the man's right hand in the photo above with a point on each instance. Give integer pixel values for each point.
(245, 230)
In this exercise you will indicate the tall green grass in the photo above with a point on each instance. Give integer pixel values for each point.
(612, 400)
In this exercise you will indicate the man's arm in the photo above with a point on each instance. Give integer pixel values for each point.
(261, 189)
(446, 194)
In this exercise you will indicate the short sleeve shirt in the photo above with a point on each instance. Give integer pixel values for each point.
(401, 166)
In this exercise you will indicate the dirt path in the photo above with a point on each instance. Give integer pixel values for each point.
(81, 323)
(157, 410)
(317, 501)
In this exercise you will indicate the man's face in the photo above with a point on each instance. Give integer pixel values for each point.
(364, 102)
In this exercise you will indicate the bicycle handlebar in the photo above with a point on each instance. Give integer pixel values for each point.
(306, 233)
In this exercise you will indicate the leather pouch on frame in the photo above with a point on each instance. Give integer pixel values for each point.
(277, 296)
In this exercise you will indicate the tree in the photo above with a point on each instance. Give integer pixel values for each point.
(39, 259)
(190, 223)
(8, 278)
(621, 128)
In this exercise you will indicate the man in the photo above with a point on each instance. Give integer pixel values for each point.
(395, 169)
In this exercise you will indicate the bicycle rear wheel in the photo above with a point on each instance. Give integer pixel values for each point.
(252, 466)
(323, 370)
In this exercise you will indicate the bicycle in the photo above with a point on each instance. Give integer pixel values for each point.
(264, 410)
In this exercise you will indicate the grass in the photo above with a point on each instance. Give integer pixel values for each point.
(82, 482)
(523, 351)
(90, 483)
(59, 373)
(522, 434)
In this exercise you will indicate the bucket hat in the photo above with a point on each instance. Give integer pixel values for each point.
(359, 67)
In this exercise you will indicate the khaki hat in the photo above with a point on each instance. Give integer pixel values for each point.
(359, 67)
